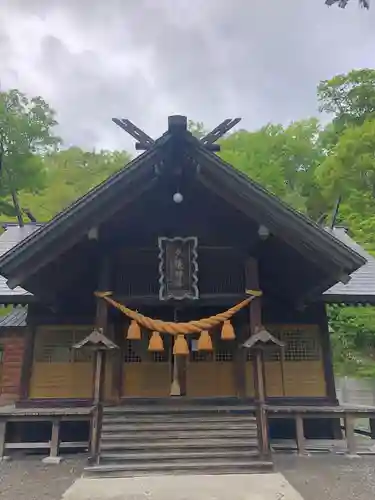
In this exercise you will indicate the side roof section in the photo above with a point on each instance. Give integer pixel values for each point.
(361, 287)
(12, 235)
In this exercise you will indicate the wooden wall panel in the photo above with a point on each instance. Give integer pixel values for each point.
(61, 380)
(146, 379)
(210, 378)
(301, 379)
(60, 372)
(11, 359)
(66, 380)
(303, 365)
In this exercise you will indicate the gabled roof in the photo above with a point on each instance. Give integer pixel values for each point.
(12, 235)
(361, 287)
(177, 146)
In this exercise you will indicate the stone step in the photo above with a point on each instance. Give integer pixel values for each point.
(150, 435)
(162, 444)
(212, 466)
(172, 455)
(174, 409)
(178, 417)
(178, 426)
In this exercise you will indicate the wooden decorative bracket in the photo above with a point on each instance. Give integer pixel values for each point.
(145, 142)
(215, 134)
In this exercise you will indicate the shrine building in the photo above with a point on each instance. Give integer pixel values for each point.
(178, 300)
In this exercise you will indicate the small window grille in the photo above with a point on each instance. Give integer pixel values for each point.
(301, 344)
(55, 345)
(131, 351)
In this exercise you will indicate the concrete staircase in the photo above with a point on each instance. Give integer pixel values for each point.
(178, 439)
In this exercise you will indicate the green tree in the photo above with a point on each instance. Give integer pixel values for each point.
(349, 172)
(353, 340)
(26, 134)
(283, 160)
(70, 174)
(349, 99)
(343, 3)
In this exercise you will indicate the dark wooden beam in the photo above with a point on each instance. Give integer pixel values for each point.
(204, 300)
(202, 248)
(27, 364)
(143, 139)
(219, 131)
(101, 322)
(326, 352)
(252, 283)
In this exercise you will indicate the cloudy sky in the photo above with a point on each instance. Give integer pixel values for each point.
(147, 59)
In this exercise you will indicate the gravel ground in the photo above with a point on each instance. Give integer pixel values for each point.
(328, 477)
(28, 479)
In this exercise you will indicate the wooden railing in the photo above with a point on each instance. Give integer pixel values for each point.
(348, 413)
(55, 417)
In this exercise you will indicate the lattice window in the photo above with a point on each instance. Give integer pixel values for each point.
(201, 356)
(132, 351)
(223, 355)
(160, 357)
(301, 344)
(55, 345)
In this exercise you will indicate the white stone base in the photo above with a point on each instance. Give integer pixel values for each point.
(185, 487)
(52, 460)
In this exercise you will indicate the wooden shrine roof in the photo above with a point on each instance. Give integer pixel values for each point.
(178, 147)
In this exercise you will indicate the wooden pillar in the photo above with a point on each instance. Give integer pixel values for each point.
(255, 321)
(98, 403)
(349, 433)
(252, 283)
(240, 355)
(260, 399)
(372, 427)
(326, 353)
(27, 365)
(3, 426)
(255, 306)
(329, 376)
(55, 439)
(300, 435)
(101, 322)
(118, 362)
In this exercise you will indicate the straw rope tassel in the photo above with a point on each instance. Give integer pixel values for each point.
(180, 345)
(134, 331)
(227, 331)
(204, 341)
(156, 343)
(179, 328)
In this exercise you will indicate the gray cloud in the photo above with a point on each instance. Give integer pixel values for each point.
(143, 59)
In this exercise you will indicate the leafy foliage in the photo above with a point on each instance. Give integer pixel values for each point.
(281, 159)
(353, 340)
(26, 134)
(343, 3)
(70, 174)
